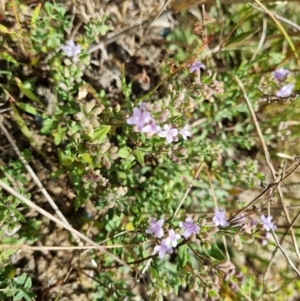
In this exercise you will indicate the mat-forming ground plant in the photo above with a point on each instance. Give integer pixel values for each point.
(154, 180)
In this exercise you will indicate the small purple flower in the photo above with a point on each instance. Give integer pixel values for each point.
(71, 49)
(267, 224)
(172, 238)
(196, 66)
(151, 128)
(185, 132)
(189, 227)
(139, 118)
(163, 248)
(155, 227)
(220, 218)
(169, 133)
(285, 91)
(280, 74)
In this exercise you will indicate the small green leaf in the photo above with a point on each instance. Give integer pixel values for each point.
(124, 152)
(28, 283)
(48, 7)
(216, 253)
(22, 125)
(18, 215)
(65, 159)
(241, 37)
(27, 108)
(100, 133)
(21, 279)
(35, 15)
(27, 92)
(59, 135)
(182, 255)
(7, 57)
(10, 271)
(20, 295)
(4, 29)
(86, 158)
(139, 155)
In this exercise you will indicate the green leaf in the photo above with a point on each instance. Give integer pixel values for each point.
(21, 279)
(139, 155)
(28, 283)
(241, 37)
(18, 215)
(10, 271)
(35, 15)
(124, 152)
(7, 57)
(182, 255)
(59, 135)
(65, 159)
(100, 133)
(27, 108)
(19, 295)
(216, 253)
(27, 92)
(86, 158)
(4, 29)
(22, 125)
(48, 7)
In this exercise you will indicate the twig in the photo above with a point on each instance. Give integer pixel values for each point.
(59, 222)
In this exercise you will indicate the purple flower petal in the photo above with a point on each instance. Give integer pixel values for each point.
(71, 49)
(285, 91)
(185, 132)
(189, 227)
(267, 223)
(155, 227)
(163, 249)
(139, 118)
(196, 66)
(169, 133)
(280, 74)
(220, 218)
(172, 238)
